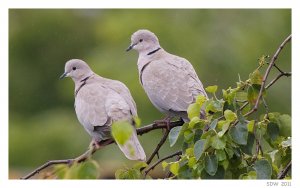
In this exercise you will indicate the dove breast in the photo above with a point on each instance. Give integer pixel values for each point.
(171, 83)
(97, 106)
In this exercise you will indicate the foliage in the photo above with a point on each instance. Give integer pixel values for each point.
(233, 146)
(42, 121)
(121, 131)
(227, 144)
(86, 170)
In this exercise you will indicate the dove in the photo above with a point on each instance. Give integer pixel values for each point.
(170, 81)
(99, 102)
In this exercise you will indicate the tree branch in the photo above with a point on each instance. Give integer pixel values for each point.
(162, 141)
(271, 64)
(284, 171)
(287, 74)
(161, 160)
(93, 149)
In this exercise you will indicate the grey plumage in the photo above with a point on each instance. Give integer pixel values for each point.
(99, 102)
(170, 82)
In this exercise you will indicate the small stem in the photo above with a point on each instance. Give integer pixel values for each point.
(162, 141)
(284, 171)
(161, 160)
(271, 64)
(85, 155)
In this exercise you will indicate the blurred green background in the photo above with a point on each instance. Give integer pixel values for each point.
(42, 123)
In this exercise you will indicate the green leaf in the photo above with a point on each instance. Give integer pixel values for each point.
(137, 121)
(221, 155)
(253, 92)
(218, 143)
(185, 172)
(273, 130)
(194, 121)
(214, 106)
(121, 131)
(285, 125)
(164, 164)
(239, 133)
(188, 136)
(211, 89)
(128, 174)
(225, 126)
(211, 164)
(213, 124)
(207, 134)
(88, 170)
(174, 167)
(263, 169)
(199, 148)
(220, 174)
(248, 176)
(248, 149)
(121, 174)
(173, 135)
(193, 110)
(229, 115)
(250, 126)
(287, 142)
(192, 161)
(140, 164)
(241, 96)
(256, 77)
(61, 170)
(265, 145)
(189, 152)
(229, 152)
(200, 99)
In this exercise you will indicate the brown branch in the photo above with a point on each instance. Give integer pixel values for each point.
(284, 171)
(271, 64)
(47, 164)
(162, 141)
(169, 174)
(161, 160)
(287, 74)
(85, 155)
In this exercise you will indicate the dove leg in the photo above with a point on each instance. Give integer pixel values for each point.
(166, 121)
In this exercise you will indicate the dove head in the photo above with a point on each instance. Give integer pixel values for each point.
(143, 41)
(77, 70)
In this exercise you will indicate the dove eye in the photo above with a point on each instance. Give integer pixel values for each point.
(141, 40)
(74, 68)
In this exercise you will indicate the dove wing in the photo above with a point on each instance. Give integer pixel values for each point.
(171, 83)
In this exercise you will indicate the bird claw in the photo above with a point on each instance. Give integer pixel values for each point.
(166, 121)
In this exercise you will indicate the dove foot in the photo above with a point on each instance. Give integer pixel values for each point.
(166, 121)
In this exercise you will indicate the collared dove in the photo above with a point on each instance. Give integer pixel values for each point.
(99, 102)
(170, 82)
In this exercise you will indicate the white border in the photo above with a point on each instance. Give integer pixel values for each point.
(244, 4)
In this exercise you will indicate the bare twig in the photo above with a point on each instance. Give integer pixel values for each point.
(86, 154)
(47, 164)
(162, 141)
(284, 171)
(271, 64)
(161, 160)
(169, 174)
(287, 74)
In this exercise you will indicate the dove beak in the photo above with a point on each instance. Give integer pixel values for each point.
(130, 47)
(63, 75)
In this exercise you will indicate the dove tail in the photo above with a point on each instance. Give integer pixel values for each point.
(133, 149)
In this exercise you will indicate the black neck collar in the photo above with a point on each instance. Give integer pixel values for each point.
(83, 83)
(152, 52)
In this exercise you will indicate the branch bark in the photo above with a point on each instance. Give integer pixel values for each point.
(271, 64)
(85, 155)
(283, 173)
(161, 160)
(162, 141)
